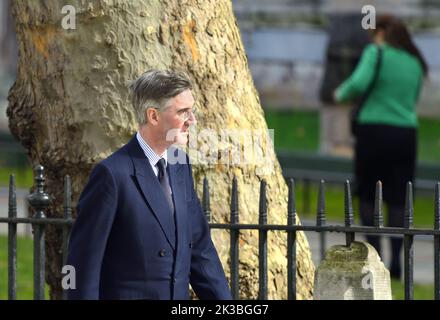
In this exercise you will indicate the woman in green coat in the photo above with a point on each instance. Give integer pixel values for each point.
(388, 77)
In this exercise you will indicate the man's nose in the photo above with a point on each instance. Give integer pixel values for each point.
(192, 119)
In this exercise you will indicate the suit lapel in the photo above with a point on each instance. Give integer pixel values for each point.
(151, 190)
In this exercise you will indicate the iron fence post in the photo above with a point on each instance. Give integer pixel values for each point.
(12, 240)
(320, 218)
(437, 242)
(349, 220)
(67, 217)
(378, 216)
(234, 235)
(262, 243)
(409, 244)
(206, 205)
(291, 243)
(39, 201)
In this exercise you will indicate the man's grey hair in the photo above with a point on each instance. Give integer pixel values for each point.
(154, 88)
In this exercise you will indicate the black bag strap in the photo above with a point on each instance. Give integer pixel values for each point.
(370, 88)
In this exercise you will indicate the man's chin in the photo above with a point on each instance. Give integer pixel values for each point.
(181, 140)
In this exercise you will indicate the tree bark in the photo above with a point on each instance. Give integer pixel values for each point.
(70, 108)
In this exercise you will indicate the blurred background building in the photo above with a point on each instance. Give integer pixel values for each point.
(288, 39)
(286, 43)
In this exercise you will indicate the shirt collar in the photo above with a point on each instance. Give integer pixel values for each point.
(149, 152)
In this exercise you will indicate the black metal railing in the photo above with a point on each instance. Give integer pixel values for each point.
(308, 169)
(40, 200)
(349, 229)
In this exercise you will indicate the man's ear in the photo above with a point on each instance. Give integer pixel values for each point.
(151, 115)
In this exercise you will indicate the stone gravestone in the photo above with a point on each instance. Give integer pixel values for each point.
(354, 273)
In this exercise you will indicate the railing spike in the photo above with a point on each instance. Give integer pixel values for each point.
(320, 218)
(437, 207)
(349, 220)
(67, 197)
(291, 205)
(378, 217)
(206, 203)
(348, 203)
(409, 206)
(234, 201)
(263, 201)
(12, 240)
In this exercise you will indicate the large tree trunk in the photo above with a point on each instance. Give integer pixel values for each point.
(70, 108)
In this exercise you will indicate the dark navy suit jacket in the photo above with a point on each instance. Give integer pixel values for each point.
(124, 244)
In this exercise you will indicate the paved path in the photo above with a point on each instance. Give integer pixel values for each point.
(22, 211)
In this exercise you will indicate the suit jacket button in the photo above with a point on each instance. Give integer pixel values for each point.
(162, 253)
(190, 244)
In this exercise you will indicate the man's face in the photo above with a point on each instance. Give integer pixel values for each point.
(175, 120)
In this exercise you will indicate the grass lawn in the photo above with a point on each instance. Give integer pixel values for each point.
(334, 205)
(429, 140)
(421, 291)
(25, 267)
(299, 130)
(23, 177)
(295, 131)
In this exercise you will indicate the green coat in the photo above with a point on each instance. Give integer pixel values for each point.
(393, 98)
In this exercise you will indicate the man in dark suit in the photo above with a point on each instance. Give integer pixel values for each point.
(140, 231)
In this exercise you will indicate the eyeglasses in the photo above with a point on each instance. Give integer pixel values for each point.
(186, 114)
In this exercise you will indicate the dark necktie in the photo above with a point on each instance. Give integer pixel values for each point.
(164, 183)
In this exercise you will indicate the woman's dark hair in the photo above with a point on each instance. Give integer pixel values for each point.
(397, 35)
